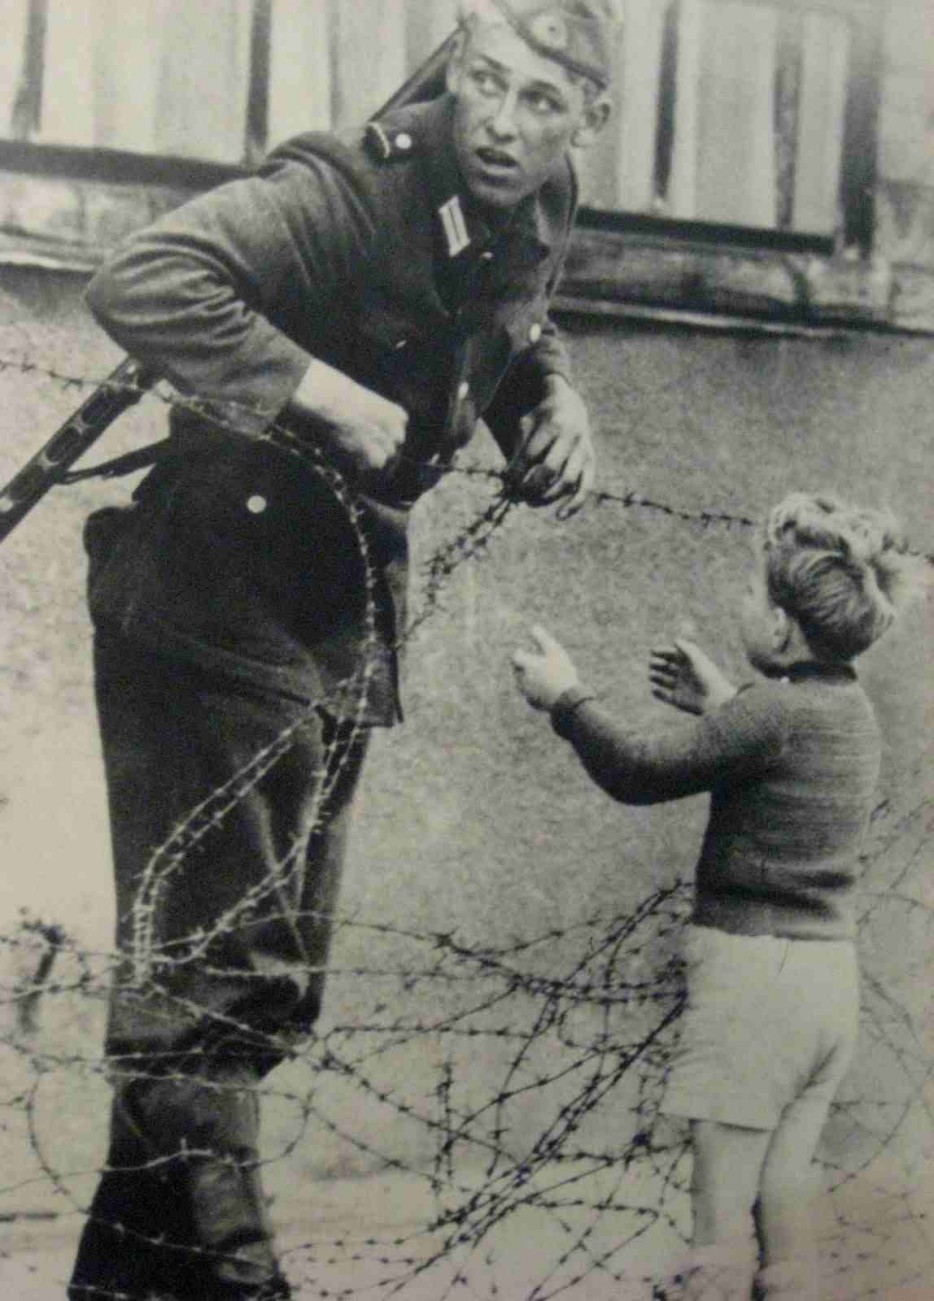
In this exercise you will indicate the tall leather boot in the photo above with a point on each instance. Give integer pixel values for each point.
(209, 1126)
(135, 1238)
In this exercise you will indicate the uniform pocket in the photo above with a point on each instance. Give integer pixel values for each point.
(103, 529)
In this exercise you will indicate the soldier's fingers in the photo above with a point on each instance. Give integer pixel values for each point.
(558, 488)
(589, 475)
(538, 445)
(567, 479)
(549, 477)
(559, 452)
(575, 467)
(582, 489)
(528, 426)
(527, 484)
(572, 505)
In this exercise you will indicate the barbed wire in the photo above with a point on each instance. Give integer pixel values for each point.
(575, 1025)
(213, 410)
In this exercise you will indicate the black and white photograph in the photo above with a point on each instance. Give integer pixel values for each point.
(465, 561)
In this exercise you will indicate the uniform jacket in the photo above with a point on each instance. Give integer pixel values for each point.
(361, 250)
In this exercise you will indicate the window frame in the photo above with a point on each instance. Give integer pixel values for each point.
(858, 168)
(859, 160)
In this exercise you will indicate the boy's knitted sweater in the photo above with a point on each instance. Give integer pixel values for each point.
(791, 765)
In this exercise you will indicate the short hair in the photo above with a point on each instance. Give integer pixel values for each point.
(843, 572)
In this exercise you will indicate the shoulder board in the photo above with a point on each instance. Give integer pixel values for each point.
(386, 144)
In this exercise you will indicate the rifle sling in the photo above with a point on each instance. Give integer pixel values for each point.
(120, 465)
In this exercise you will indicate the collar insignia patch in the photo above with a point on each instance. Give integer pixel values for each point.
(455, 227)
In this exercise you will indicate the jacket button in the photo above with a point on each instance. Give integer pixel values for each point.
(462, 390)
(256, 504)
(535, 333)
(403, 141)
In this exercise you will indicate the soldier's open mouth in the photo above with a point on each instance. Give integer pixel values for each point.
(495, 160)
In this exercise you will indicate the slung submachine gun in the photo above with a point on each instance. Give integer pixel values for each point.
(124, 387)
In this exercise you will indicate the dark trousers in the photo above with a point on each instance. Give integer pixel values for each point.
(229, 816)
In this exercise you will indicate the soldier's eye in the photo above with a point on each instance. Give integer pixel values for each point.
(486, 82)
(544, 105)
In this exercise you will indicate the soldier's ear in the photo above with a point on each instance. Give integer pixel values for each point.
(781, 628)
(594, 118)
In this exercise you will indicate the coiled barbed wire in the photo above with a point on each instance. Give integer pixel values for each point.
(597, 1021)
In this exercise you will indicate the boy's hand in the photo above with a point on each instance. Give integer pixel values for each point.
(545, 674)
(683, 676)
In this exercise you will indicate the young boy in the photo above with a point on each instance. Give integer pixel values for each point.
(791, 763)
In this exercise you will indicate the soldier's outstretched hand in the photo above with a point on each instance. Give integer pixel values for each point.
(683, 676)
(555, 461)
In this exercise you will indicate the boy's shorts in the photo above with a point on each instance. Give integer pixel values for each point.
(768, 1022)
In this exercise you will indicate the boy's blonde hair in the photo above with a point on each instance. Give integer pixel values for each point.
(841, 571)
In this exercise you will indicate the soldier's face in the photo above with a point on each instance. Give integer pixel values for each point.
(516, 114)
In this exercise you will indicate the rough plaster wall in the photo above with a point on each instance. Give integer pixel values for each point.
(473, 816)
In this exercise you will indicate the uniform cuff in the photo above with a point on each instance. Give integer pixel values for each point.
(565, 708)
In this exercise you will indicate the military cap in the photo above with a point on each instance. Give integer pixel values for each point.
(575, 33)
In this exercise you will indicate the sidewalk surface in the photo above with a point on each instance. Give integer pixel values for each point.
(366, 1237)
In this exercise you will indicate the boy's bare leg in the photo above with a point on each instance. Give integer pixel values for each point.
(727, 1165)
(728, 1161)
(787, 1193)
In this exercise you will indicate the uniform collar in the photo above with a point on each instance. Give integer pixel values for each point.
(462, 225)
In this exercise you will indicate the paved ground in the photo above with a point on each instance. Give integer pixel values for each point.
(360, 1237)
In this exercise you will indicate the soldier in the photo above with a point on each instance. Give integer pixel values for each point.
(379, 291)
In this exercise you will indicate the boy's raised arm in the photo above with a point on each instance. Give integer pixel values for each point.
(735, 742)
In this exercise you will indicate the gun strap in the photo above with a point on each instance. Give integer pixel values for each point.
(119, 465)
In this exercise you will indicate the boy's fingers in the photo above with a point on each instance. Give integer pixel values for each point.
(543, 639)
(687, 647)
(664, 659)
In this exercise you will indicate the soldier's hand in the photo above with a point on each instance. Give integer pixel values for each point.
(362, 430)
(555, 461)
